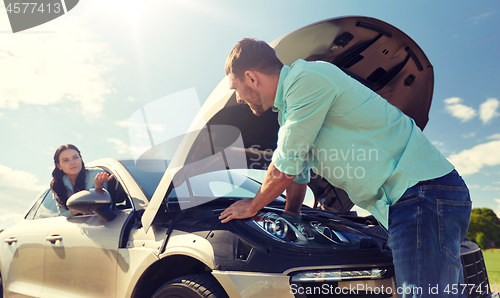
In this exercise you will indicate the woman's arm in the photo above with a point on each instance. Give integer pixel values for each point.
(100, 179)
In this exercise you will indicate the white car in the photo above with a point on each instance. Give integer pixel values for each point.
(155, 232)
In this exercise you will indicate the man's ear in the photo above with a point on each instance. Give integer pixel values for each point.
(251, 78)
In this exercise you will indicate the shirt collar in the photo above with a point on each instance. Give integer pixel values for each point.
(66, 182)
(278, 100)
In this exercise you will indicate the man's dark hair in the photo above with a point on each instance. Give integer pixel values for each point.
(252, 54)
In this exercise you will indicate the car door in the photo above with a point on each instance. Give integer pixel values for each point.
(23, 251)
(81, 256)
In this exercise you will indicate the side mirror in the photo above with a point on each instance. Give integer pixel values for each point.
(94, 200)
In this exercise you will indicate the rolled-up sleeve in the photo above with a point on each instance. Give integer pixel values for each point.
(308, 97)
(304, 176)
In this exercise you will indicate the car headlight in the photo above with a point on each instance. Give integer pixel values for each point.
(337, 275)
(304, 233)
(277, 227)
(330, 234)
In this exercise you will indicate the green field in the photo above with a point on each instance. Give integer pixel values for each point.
(492, 261)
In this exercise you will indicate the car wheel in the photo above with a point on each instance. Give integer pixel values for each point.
(191, 286)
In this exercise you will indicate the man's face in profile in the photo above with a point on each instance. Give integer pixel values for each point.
(245, 94)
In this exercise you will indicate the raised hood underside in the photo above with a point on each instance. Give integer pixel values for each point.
(375, 53)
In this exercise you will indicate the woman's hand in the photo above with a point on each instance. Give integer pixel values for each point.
(100, 179)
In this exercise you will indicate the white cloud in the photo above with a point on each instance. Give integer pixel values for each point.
(452, 100)
(497, 210)
(473, 186)
(476, 19)
(135, 125)
(66, 62)
(77, 135)
(122, 123)
(472, 160)
(490, 188)
(8, 218)
(15, 203)
(488, 110)
(469, 135)
(120, 146)
(494, 137)
(202, 7)
(18, 179)
(458, 110)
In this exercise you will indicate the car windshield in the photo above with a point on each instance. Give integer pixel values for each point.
(234, 184)
(147, 180)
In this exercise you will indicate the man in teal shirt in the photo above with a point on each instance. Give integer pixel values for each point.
(336, 127)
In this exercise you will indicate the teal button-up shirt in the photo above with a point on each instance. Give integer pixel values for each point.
(351, 136)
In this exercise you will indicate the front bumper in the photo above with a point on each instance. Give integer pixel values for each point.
(240, 284)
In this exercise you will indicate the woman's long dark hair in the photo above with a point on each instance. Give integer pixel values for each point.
(57, 184)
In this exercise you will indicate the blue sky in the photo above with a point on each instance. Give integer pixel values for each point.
(78, 78)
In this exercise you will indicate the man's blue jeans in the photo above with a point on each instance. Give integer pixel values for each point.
(426, 226)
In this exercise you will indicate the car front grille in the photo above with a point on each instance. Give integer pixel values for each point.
(475, 275)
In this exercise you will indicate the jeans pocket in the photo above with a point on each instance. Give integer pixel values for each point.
(453, 221)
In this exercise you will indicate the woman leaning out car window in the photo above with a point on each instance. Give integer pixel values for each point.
(71, 176)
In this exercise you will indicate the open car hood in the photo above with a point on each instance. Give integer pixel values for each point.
(375, 53)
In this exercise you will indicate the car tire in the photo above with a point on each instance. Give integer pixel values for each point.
(191, 286)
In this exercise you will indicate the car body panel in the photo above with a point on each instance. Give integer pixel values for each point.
(23, 260)
(188, 244)
(132, 263)
(254, 285)
(375, 53)
(88, 244)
